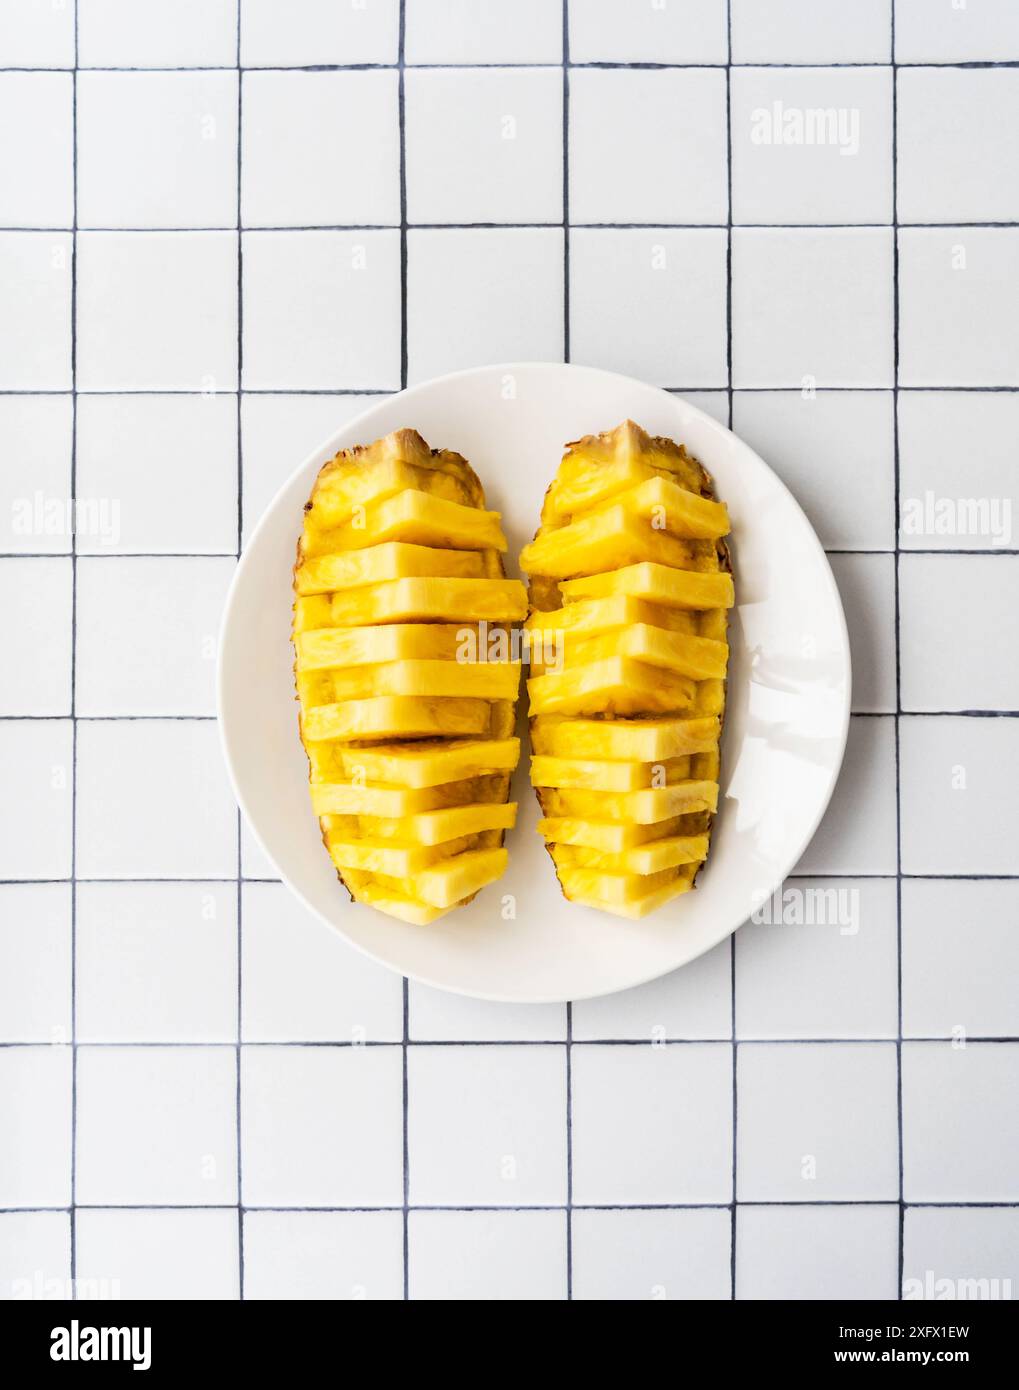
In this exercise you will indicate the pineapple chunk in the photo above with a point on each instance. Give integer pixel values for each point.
(639, 740)
(651, 858)
(365, 888)
(398, 716)
(643, 807)
(674, 509)
(422, 519)
(598, 466)
(415, 765)
(697, 657)
(323, 572)
(325, 648)
(481, 680)
(610, 538)
(611, 890)
(591, 616)
(617, 686)
(451, 881)
(339, 492)
(633, 909)
(657, 583)
(424, 600)
(358, 799)
(611, 837)
(392, 857)
(437, 827)
(586, 774)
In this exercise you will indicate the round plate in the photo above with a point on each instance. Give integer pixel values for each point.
(785, 725)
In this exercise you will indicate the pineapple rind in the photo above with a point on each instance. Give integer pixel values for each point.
(630, 587)
(408, 729)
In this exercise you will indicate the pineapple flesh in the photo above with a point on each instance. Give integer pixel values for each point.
(406, 718)
(630, 587)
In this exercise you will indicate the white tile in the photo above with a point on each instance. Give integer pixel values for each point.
(129, 448)
(36, 168)
(960, 803)
(158, 1254)
(157, 33)
(648, 146)
(484, 145)
(819, 961)
(959, 306)
(335, 1255)
(35, 306)
(487, 1126)
(35, 1101)
(320, 149)
(278, 433)
(605, 30)
(959, 486)
(484, 31)
(817, 1122)
(695, 1002)
(35, 1255)
(156, 962)
(322, 1126)
(35, 962)
(35, 630)
(35, 439)
(960, 958)
(652, 1124)
(713, 403)
(656, 279)
(867, 588)
(302, 982)
(156, 1126)
(984, 32)
(815, 443)
(857, 834)
(484, 1256)
(174, 768)
(960, 1122)
(976, 599)
(35, 799)
(37, 34)
(255, 863)
(157, 311)
(474, 280)
(951, 168)
(970, 1253)
(810, 1253)
(812, 145)
(811, 31)
(147, 632)
(321, 309)
(436, 1016)
(812, 307)
(633, 1256)
(308, 33)
(157, 149)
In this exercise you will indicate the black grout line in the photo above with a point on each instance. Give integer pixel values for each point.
(601, 65)
(566, 183)
(128, 879)
(701, 388)
(729, 403)
(402, 118)
(240, 543)
(888, 1040)
(74, 664)
(1004, 1204)
(246, 229)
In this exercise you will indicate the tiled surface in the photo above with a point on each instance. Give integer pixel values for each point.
(217, 239)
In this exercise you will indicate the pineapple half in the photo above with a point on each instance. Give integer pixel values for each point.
(629, 596)
(407, 722)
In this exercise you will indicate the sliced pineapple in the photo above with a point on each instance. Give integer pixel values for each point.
(630, 588)
(407, 704)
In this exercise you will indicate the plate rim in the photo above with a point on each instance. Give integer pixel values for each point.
(248, 547)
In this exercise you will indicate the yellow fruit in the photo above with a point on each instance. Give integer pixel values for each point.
(406, 687)
(627, 639)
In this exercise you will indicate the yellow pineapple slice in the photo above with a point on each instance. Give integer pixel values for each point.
(630, 588)
(324, 573)
(617, 686)
(404, 676)
(677, 588)
(642, 740)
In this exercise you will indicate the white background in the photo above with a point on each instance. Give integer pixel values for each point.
(183, 1109)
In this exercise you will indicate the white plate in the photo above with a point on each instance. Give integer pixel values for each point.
(785, 727)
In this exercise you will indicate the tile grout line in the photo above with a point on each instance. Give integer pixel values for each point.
(898, 654)
(74, 661)
(568, 1044)
(401, 90)
(240, 543)
(973, 65)
(729, 395)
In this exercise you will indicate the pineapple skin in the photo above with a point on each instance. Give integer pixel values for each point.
(396, 533)
(673, 585)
